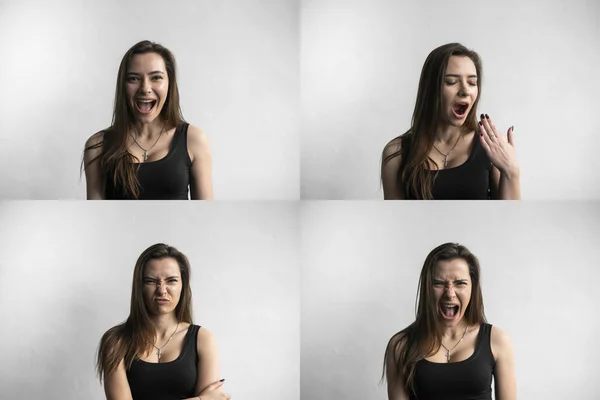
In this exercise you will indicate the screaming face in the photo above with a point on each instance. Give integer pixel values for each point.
(452, 290)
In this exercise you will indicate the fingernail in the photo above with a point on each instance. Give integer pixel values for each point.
(222, 380)
(480, 123)
(482, 116)
(487, 116)
(512, 128)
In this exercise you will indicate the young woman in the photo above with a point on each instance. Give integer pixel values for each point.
(158, 353)
(447, 153)
(450, 351)
(149, 151)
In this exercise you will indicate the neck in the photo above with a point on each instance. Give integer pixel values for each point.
(164, 325)
(148, 129)
(447, 134)
(453, 333)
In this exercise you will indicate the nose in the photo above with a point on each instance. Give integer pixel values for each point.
(161, 287)
(450, 292)
(145, 87)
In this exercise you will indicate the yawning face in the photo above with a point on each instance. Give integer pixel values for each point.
(459, 90)
(147, 86)
(452, 290)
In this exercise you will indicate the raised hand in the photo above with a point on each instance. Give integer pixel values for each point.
(214, 392)
(500, 148)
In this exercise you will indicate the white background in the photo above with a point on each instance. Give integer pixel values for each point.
(238, 64)
(360, 67)
(65, 278)
(360, 271)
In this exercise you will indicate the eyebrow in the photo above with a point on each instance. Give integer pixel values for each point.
(456, 280)
(150, 73)
(458, 76)
(170, 277)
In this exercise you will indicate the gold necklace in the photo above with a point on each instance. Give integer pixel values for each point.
(159, 349)
(446, 155)
(448, 351)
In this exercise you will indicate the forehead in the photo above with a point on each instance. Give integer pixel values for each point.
(461, 65)
(145, 63)
(451, 269)
(162, 268)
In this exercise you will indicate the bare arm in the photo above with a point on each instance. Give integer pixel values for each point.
(116, 385)
(93, 177)
(209, 367)
(395, 383)
(201, 175)
(392, 190)
(505, 386)
(508, 184)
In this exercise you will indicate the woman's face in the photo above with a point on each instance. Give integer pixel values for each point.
(147, 85)
(452, 290)
(162, 285)
(459, 90)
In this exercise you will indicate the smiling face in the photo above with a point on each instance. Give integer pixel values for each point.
(162, 285)
(147, 86)
(452, 290)
(459, 90)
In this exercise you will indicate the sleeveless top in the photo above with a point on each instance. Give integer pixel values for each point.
(170, 380)
(164, 179)
(470, 379)
(468, 181)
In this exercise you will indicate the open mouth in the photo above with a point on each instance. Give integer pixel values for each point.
(145, 106)
(449, 311)
(460, 109)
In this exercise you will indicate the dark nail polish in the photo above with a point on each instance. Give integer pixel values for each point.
(480, 123)
(482, 116)
(222, 380)
(487, 116)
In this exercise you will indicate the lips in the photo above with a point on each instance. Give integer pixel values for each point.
(460, 108)
(449, 311)
(145, 106)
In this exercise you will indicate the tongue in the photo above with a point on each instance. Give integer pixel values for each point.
(145, 107)
(450, 311)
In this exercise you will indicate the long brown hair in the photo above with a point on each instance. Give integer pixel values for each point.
(423, 337)
(116, 162)
(414, 174)
(134, 336)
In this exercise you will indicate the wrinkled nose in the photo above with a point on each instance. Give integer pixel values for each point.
(161, 288)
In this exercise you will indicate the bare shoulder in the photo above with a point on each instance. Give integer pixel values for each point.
(500, 342)
(95, 139)
(205, 339)
(197, 137)
(395, 345)
(392, 147)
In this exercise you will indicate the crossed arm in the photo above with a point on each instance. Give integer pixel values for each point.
(116, 386)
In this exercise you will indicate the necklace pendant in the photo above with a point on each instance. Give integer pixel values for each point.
(158, 354)
(145, 155)
(448, 356)
(445, 161)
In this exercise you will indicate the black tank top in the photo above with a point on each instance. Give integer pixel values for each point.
(470, 379)
(170, 380)
(468, 181)
(164, 179)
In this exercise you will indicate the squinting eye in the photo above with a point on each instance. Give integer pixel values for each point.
(158, 77)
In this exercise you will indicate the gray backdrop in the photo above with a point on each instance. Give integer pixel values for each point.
(360, 271)
(361, 62)
(65, 278)
(238, 81)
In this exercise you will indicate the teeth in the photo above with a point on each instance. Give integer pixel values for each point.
(145, 101)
